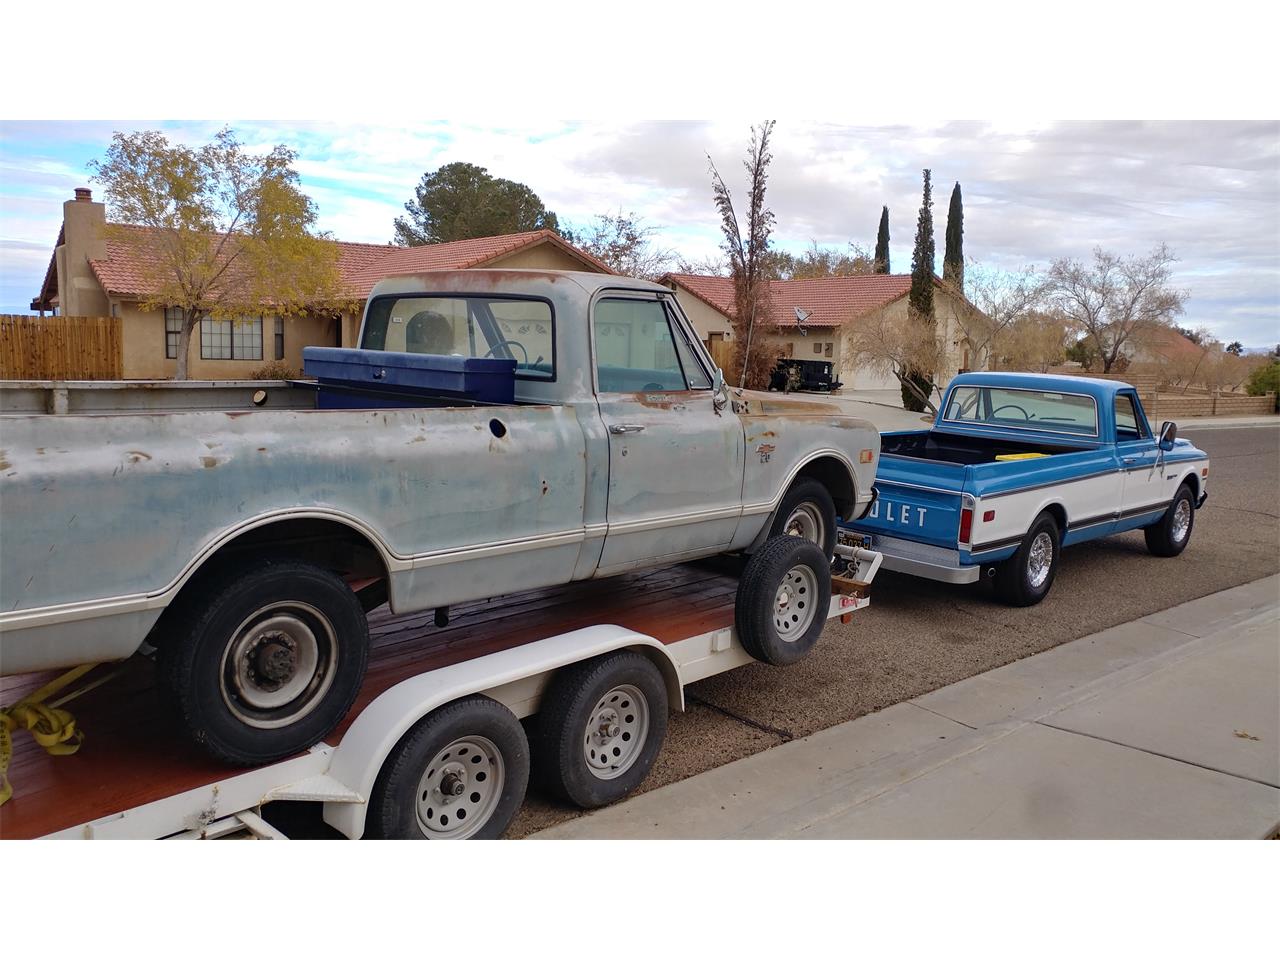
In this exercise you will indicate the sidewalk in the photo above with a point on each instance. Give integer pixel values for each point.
(1165, 727)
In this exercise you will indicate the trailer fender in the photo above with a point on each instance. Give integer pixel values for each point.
(512, 677)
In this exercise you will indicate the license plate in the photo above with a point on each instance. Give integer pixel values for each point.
(863, 541)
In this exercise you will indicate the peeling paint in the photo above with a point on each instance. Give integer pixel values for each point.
(209, 462)
(137, 456)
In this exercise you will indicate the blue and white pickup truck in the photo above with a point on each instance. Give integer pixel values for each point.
(1017, 466)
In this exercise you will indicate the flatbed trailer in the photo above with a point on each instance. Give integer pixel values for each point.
(135, 777)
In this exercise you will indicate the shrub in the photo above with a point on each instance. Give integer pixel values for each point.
(1265, 380)
(274, 370)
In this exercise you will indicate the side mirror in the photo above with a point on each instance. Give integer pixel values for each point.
(719, 395)
(1168, 434)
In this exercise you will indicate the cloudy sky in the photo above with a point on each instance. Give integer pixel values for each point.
(1032, 192)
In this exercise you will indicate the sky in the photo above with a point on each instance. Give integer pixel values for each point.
(1033, 192)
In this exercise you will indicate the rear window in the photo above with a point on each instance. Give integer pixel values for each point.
(1042, 410)
(521, 330)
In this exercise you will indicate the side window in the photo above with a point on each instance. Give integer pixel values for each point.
(635, 349)
(1128, 425)
(693, 372)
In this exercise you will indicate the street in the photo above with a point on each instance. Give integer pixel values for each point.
(918, 636)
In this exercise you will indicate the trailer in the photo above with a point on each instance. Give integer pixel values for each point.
(574, 682)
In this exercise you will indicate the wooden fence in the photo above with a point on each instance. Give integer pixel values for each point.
(722, 353)
(60, 348)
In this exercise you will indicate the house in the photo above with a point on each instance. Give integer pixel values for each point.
(91, 274)
(831, 304)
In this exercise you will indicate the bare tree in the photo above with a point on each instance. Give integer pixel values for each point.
(748, 258)
(898, 343)
(819, 261)
(709, 266)
(1116, 301)
(1034, 340)
(625, 243)
(995, 301)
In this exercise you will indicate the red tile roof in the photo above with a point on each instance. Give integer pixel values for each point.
(125, 271)
(829, 300)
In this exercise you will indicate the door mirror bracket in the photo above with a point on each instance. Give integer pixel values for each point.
(1168, 434)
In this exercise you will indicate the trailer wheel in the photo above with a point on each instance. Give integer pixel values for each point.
(1169, 535)
(600, 727)
(782, 602)
(807, 511)
(269, 664)
(459, 774)
(1025, 578)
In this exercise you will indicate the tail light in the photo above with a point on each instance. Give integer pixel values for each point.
(966, 524)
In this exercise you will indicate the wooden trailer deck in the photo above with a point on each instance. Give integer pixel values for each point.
(130, 756)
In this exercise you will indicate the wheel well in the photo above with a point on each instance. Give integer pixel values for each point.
(1193, 481)
(1059, 514)
(833, 475)
(324, 543)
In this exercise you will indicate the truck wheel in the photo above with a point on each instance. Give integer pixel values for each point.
(1025, 578)
(269, 664)
(1169, 535)
(782, 602)
(600, 728)
(459, 774)
(808, 512)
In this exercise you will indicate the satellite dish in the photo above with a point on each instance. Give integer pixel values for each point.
(801, 317)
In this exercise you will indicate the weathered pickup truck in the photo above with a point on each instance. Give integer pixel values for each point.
(246, 535)
(1018, 466)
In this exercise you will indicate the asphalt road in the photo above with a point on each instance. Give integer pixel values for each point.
(918, 635)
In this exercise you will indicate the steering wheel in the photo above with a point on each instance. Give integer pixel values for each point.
(504, 343)
(651, 386)
(1025, 415)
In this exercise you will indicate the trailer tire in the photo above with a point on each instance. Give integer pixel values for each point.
(807, 511)
(268, 664)
(1025, 578)
(600, 728)
(460, 773)
(783, 598)
(1169, 535)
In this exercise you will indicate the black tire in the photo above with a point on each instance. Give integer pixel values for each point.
(259, 619)
(445, 761)
(807, 496)
(1015, 583)
(1161, 538)
(579, 702)
(783, 634)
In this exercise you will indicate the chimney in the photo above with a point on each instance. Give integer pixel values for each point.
(83, 222)
(84, 194)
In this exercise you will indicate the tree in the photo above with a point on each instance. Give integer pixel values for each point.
(1116, 301)
(1264, 380)
(754, 356)
(882, 243)
(460, 201)
(918, 383)
(624, 243)
(892, 342)
(819, 261)
(953, 254)
(1235, 348)
(1034, 341)
(708, 266)
(996, 300)
(229, 232)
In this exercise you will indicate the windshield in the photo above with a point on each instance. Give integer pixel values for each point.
(1043, 410)
(520, 330)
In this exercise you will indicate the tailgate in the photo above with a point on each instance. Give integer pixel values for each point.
(918, 500)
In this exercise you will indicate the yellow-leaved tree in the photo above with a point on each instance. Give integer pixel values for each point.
(226, 232)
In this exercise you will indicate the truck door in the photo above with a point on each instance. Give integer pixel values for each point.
(675, 463)
(1143, 485)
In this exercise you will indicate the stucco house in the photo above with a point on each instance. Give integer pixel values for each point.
(832, 305)
(92, 275)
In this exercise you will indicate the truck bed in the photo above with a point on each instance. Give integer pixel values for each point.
(129, 757)
(951, 448)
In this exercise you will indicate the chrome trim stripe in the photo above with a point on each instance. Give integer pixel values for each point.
(917, 486)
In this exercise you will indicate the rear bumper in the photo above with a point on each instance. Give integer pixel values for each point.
(931, 571)
(918, 559)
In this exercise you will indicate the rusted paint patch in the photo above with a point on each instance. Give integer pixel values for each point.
(233, 414)
(4, 464)
(137, 456)
(209, 462)
(545, 488)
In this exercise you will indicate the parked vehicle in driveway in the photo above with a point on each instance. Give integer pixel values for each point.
(496, 431)
(1018, 466)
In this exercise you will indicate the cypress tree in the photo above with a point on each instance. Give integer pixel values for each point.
(953, 255)
(920, 300)
(882, 243)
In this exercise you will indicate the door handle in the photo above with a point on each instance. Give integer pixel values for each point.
(1131, 459)
(626, 427)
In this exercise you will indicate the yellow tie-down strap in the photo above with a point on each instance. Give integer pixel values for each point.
(49, 725)
(1020, 456)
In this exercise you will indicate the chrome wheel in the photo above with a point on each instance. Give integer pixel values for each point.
(279, 665)
(806, 523)
(1040, 560)
(1181, 520)
(460, 789)
(617, 729)
(793, 605)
